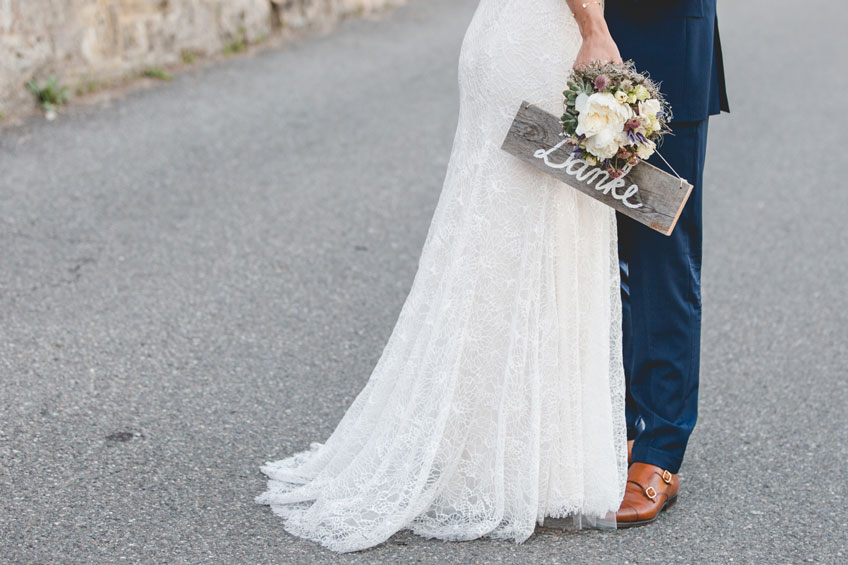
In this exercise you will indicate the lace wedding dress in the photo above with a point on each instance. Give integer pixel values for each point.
(499, 397)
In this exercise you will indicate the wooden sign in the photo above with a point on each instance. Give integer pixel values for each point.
(646, 194)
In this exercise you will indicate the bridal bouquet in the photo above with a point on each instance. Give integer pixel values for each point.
(614, 116)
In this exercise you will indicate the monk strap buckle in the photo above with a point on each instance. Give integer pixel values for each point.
(666, 477)
(651, 493)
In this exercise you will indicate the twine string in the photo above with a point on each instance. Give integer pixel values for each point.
(657, 151)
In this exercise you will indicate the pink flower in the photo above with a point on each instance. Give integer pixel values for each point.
(602, 82)
(633, 123)
(633, 161)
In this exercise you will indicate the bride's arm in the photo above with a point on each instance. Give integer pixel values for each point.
(597, 41)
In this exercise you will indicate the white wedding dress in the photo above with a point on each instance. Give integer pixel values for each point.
(499, 397)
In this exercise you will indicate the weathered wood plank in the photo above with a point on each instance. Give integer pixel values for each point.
(646, 194)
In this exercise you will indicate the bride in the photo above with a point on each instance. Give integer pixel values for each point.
(498, 400)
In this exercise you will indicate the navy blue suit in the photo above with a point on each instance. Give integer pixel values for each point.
(677, 42)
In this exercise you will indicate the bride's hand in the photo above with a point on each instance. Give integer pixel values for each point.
(597, 47)
(598, 44)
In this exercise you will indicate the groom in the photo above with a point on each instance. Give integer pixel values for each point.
(677, 42)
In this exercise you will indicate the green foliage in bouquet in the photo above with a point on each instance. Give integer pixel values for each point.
(576, 85)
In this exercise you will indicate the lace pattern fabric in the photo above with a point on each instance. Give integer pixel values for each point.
(498, 399)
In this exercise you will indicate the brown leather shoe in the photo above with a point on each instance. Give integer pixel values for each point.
(650, 490)
(630, 450)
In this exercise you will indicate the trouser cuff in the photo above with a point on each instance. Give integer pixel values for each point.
(658, 457)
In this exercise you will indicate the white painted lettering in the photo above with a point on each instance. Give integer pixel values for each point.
(582, 171)
(630, 192)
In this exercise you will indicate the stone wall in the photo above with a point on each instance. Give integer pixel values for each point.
(87, 42)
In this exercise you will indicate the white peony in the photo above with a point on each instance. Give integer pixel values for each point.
(646, 149)
(603, 144)
(600, 112)
(580, 102)
(649, 108)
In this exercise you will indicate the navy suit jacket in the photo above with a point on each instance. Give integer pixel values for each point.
(677, 42)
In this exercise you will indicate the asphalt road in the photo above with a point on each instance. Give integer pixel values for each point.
(200, 276)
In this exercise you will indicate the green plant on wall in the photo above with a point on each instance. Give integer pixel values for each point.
(188, 56)
(50, 94)
(238, 44)
(157, 73)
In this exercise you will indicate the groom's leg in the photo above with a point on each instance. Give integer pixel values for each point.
(663, 313)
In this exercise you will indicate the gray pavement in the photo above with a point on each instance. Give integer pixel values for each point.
(200, 276)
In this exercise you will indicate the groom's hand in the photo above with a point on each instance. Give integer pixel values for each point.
(598, 44)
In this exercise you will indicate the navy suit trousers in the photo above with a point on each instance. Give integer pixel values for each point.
(661, 300)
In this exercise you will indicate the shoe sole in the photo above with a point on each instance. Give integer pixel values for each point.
(669, 503)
